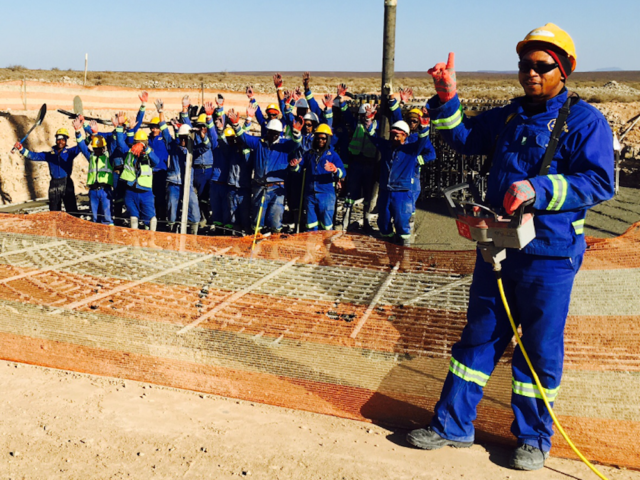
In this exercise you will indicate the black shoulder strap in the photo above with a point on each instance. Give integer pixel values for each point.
(572, 99)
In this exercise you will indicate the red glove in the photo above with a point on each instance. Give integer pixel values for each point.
(137, 149)
(330, 167)
(233, 116)
(297, 124)
(144, 97)
(209, 108)
(294, 161)
(518, 193)
(277, 80)
(424, 121)
(18, 146)
(444, 78)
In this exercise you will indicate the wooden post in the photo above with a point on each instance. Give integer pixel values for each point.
(187, 185)
(86, 64)
(388, 60)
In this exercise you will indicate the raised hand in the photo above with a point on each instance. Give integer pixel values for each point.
(251, 110)
(294, 161)
(132, 125)
(144, 97)
(405, 94)
(297, 123)
(444, 78)
(77, 124)
(114, 120)
(122, 118)
(185, 102)
(342, 89)
(286, 96)
(296, 94)
(220, 101)
(233, 116)
(209, 108)
(137, 149)
(94, 126)
(81, 117)
(370, 111)
(249, 92)
(327, 100)
(306, 79)
(424, 121)
(330, 167)
(277, 80)
(159, 105)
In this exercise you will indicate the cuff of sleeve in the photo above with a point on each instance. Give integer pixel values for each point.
(143, 107)
(308, 95)
(163, 126)
(120, 130)
(148, 150)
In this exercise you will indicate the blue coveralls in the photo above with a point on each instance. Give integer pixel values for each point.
(397, 171)
(61, 188)
(219, 188)
(319, 188)
(138, 199)
(203, 163)
(239, 185)
(427, 155)
(538, 279)
(270, 165)
(175, 177)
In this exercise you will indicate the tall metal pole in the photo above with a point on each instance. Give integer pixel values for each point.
(388, 59)
(186, 185)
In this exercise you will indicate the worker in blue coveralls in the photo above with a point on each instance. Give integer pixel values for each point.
(99, 175)
(137, 173)
(238, 160)
(177, 148)
(538, 279)
(398, 163)
(270, 166)
(323, 168)
(60, 160)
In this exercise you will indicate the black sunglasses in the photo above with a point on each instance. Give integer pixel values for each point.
(539, 67)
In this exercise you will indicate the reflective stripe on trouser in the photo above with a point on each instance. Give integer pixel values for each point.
(320, 209)
(219, 204)
(174, 200)
(273, 206)
(100, 201)
(394, 210)
(538, 290)
(239, 206)
(140, 204)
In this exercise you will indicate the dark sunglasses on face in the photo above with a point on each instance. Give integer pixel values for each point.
(539, 67)
(309, 125)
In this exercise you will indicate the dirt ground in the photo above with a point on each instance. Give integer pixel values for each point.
(64, 425)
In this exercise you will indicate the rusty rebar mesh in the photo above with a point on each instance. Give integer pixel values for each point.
(328, 322)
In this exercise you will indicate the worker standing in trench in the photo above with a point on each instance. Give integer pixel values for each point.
(539, 278)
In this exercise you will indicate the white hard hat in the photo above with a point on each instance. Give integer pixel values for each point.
(311, 116)
(184, 130)
(402, 126)
(363, 108)
(302, 103)
(275, 125)
(336, 102)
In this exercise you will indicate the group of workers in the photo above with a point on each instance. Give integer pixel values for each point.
(303, 155)
(303, 150)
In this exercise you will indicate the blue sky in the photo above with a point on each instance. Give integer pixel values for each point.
(320, 35)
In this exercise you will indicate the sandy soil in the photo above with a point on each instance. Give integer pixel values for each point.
(60, 424)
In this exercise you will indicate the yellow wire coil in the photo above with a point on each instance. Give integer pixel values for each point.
(537, 380)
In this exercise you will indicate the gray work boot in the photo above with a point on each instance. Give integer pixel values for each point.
(528, 457)
(153, 224)
(193, 228)
(133, 222)
(427, 439)
(346, 219)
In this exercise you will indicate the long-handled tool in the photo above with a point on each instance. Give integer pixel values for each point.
(73, 116)
(258, 221)
(41, 114)
(494, 234)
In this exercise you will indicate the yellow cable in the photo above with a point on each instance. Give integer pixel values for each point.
(542, 393)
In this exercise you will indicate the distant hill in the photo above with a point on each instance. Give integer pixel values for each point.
(609, 69)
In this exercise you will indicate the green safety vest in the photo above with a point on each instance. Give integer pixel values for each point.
(360, 143)
(137, 170)
(100, 170)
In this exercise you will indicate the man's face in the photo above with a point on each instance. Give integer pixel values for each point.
(155, 131)
(414, 123)
(301, 111)
(272, 115)
(320, 141)
(397, 137)
(98, 151)
(61, 142)
(308, 127)
(539, 86)
(272, 136)
(183, 140)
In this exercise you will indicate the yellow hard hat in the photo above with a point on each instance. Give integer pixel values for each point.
(140, 136)
(415, 111)
(63, 131)
(202, 118)
(553, 35)
(229, 132)
(274, 107)
(324, 128)
(154, 121)
(98, 142)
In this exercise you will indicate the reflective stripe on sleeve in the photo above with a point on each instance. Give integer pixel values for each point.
(560, 187)
(468, 374)
(578, 226)
(449, 123)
